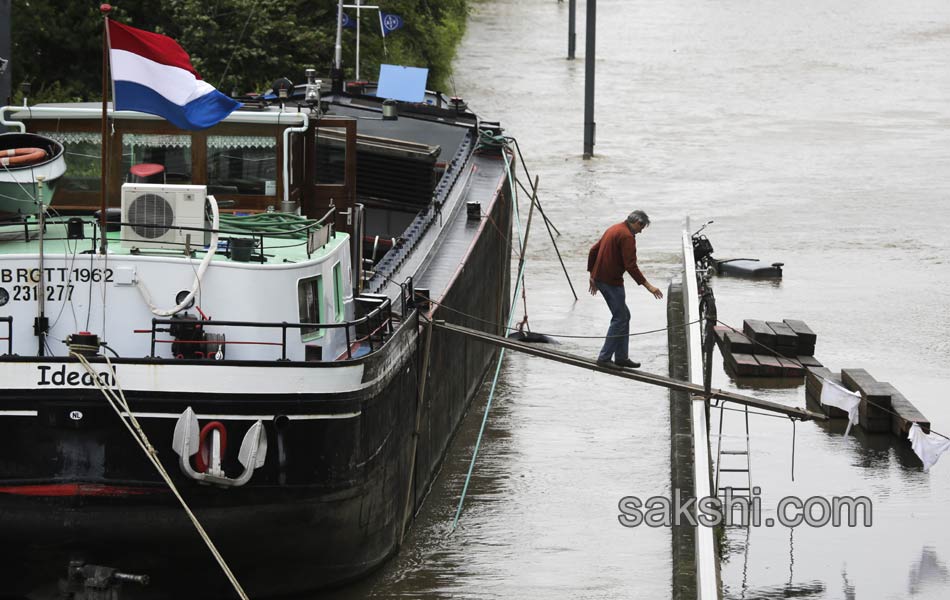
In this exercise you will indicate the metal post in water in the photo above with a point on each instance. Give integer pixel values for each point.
(589, 125)
(571, 29)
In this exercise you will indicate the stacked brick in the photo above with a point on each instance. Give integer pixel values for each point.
(883, 408)
(768, 348)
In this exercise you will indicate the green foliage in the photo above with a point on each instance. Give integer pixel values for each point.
(55, 46)
(237, 45)
(429, 38)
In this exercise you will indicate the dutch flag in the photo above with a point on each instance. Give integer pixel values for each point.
(151, 73)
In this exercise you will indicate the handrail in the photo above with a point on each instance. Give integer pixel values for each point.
(75, 112)
(375, 317)
(249, 233)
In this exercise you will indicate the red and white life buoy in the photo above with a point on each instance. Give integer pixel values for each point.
(19, 157)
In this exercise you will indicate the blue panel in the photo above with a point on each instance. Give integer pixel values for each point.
(407, 84)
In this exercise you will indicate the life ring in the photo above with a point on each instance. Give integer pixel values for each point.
(203, 458)
(16, 157)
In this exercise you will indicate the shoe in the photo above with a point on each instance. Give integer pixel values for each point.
(607, 364)
(626, 363)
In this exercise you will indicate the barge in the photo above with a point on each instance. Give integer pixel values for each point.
(260, 313)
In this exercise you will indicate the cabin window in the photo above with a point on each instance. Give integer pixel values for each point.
(83, 154)
(310, 300)
(242, 164)
(338, 291)
(171, 152)
(330, 156)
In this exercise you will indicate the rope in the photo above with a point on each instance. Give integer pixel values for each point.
(793, 449)
(721, 406)
(501, 357)
(562, 335)
(132, 425)
(554, 335)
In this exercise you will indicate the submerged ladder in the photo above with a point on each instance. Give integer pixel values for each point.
(741, 465)
(636, 375)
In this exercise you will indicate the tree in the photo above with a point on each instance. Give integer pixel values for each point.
(236, 45)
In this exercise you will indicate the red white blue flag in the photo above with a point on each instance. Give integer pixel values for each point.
(151, 73)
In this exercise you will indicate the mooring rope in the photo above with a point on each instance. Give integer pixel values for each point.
(501, 353)
(497, 325)
(143, 442)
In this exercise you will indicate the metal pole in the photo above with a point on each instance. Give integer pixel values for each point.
(338, 47)
(104, 204)
(358, 39)
(6, 64)
(41, 295)
(420, 397)
(589, 124)
(709, 339)
(694, 389)
(571, 29)
(536, 202)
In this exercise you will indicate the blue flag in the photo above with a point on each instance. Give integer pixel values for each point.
(348, 23)
(389, 22)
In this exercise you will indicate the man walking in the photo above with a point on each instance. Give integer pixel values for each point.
(615, 253)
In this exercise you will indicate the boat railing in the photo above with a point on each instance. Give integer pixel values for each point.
(373, 328)
(9, 337)
(307, 234)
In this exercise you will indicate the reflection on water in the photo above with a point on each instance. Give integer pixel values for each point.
(789, 589)
(928, 572)
(847, 588)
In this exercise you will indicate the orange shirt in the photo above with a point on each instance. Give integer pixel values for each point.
(615, 253)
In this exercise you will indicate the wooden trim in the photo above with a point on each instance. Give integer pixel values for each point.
(199, 157)
(342, 196)
(76, 200)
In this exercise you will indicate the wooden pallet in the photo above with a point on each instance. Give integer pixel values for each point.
(768, 348)
(875, 404)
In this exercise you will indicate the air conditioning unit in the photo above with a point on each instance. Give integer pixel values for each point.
(153, 215)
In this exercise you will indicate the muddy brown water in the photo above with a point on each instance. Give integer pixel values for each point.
(814, 134)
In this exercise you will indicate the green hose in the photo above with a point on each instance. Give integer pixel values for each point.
(270, 224)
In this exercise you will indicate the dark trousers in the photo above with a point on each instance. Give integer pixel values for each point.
(617, 343)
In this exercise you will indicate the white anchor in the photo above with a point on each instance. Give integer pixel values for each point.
(186, 443)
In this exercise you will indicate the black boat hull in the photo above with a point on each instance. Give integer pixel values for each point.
(328, 505)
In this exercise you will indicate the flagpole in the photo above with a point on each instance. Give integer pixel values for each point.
(338, 49)
(105, 9)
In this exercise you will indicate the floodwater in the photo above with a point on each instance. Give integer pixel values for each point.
(813, 133)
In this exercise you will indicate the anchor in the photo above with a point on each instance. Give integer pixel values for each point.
(189, 439)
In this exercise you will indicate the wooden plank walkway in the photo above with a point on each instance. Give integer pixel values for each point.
(634, 374)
